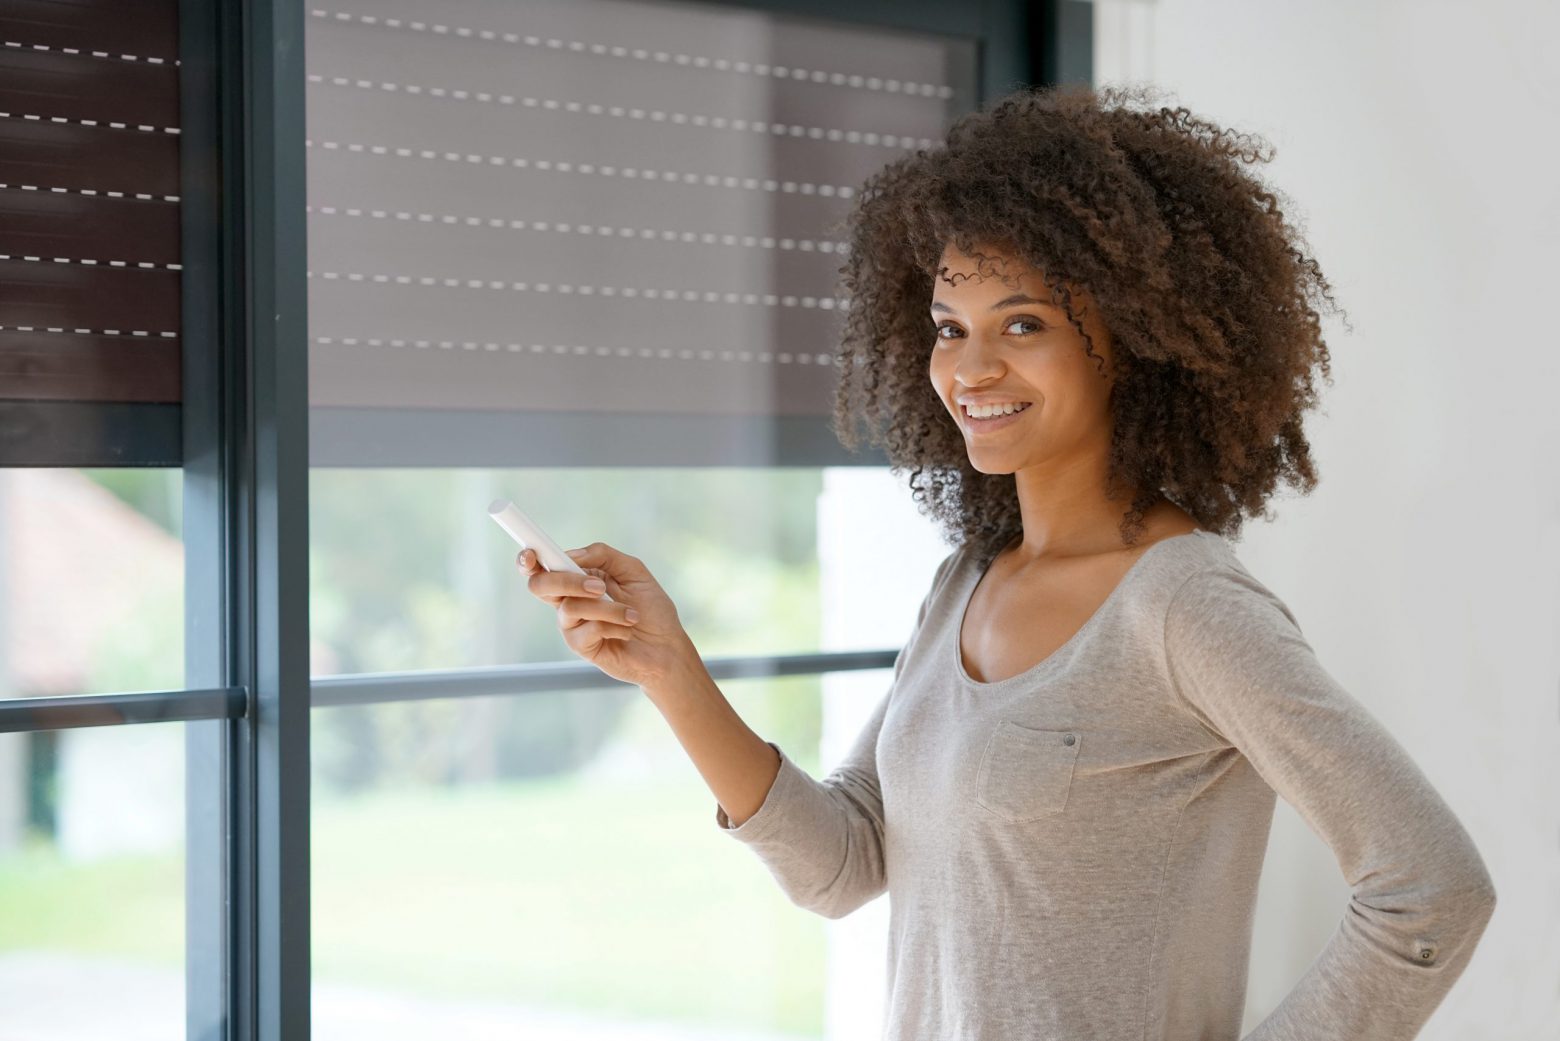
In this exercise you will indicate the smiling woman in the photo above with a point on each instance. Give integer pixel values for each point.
(1069, 785)
(1112, 262)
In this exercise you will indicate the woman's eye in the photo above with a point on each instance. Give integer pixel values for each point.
(1016, 321)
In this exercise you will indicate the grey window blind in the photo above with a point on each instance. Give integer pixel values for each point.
(89, 206)
(532, 221)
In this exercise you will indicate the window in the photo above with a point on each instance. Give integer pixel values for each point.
(285, 393)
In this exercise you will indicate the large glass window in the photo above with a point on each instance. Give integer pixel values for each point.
(577, 254)
(584, 256)
(551, 856)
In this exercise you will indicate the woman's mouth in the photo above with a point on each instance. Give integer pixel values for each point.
(996, 422)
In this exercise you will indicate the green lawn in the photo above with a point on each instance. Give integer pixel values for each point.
(121, 906)
(618, 899)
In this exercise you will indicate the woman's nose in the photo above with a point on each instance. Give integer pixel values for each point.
(978, 362)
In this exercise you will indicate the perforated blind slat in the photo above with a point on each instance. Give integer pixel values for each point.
(147, 30)
(77, 158)
(58, 84)
(76, 296)
(71, 224)
(91, 368)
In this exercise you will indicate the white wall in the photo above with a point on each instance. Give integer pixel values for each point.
(1417, 140)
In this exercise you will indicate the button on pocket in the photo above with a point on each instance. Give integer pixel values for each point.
(1025, 773)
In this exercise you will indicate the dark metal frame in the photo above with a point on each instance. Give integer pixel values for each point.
(89, 433)
(23, 715)
(246, 489)
(245, 453)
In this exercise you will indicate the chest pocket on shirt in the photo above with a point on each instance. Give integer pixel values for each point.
(1024, 773)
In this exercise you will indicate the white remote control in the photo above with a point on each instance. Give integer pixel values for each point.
(524, 531)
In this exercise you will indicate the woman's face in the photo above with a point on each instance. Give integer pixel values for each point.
(997, 341)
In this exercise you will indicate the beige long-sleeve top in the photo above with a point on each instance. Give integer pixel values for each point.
(1072, 853)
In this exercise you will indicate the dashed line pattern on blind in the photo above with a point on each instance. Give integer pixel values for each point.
(838, 79)
(664, 235)
(641, 134)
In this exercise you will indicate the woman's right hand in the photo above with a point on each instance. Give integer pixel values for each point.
(646, 651)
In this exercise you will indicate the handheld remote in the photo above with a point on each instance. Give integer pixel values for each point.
(526, 532)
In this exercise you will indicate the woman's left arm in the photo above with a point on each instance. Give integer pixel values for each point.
(1421, 892)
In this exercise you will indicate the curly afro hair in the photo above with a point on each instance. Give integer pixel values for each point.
(1206, 290)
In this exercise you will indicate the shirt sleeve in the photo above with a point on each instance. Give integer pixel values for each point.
(823, 840)
(1421, 894)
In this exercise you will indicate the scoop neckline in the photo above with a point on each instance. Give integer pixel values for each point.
(967, 595)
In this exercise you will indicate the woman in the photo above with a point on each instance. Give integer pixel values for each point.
(1068, 788)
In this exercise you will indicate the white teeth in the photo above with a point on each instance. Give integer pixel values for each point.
(987, 411)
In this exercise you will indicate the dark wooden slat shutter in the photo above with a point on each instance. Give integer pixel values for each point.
(89, 204)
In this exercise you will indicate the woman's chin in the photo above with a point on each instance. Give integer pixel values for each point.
(989, 462)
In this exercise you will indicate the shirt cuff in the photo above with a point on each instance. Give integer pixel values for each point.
(784, 783)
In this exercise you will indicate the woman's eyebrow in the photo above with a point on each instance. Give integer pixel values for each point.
(1012, 301)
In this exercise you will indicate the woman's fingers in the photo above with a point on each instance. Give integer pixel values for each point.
(574, 596)
(560, 584)
(575, 610)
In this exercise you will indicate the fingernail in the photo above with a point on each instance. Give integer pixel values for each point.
(595, 585)
(631, 614)
(575, 552)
